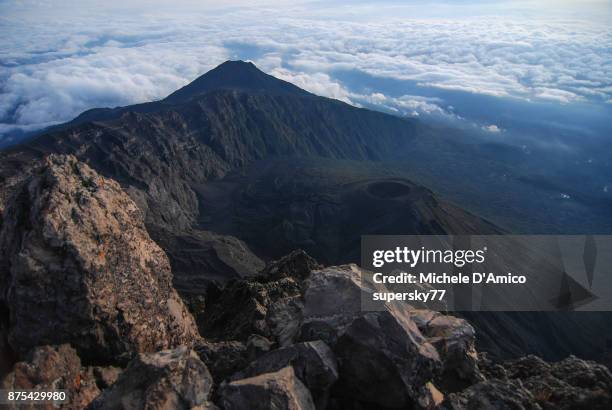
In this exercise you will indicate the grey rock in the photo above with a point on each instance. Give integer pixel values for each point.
(280, 390)
(455, 340)
(314, 364)
(332, 300)
(385, 362)
(169, 379)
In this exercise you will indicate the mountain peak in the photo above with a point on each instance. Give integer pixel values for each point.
(235, 75)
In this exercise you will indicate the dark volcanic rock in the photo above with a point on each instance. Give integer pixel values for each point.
(280, 390)
(241, 308)
(52, 368)
(384, 360)
(223, 358)
(454, 339)
(569, 384)
(79, 267)
(298, 265)
(170, 379)
(492, 395)
(384, 363)
(313, 362)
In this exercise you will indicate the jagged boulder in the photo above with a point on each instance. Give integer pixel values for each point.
(454, 339)
(313, 362)
(280, 390)
(170, 379)
(384, 359)
(331, 301)
(79, 267)
(52, 368)
(267, 305)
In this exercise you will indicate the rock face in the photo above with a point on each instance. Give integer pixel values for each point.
(170, 379)
(278, 390)
(79, 267)
(49, 368)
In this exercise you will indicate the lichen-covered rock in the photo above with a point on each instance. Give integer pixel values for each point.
(280, 390)
(52, 368)
(170, 379)
(313, 362)
(79, 267)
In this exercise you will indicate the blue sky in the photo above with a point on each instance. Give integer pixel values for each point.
(434, 59)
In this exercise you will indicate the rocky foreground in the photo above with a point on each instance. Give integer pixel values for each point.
(87, 305)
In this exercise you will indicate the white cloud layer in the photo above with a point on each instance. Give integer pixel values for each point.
(57, 62)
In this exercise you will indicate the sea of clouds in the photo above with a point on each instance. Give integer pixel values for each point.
(58, 59)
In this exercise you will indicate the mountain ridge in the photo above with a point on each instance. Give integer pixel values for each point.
(166, 160)
(233, 76)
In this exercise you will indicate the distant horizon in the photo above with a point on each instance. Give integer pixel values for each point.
(432, 59)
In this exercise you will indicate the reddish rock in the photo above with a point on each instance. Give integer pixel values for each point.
(53, 368)
(80, 268)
